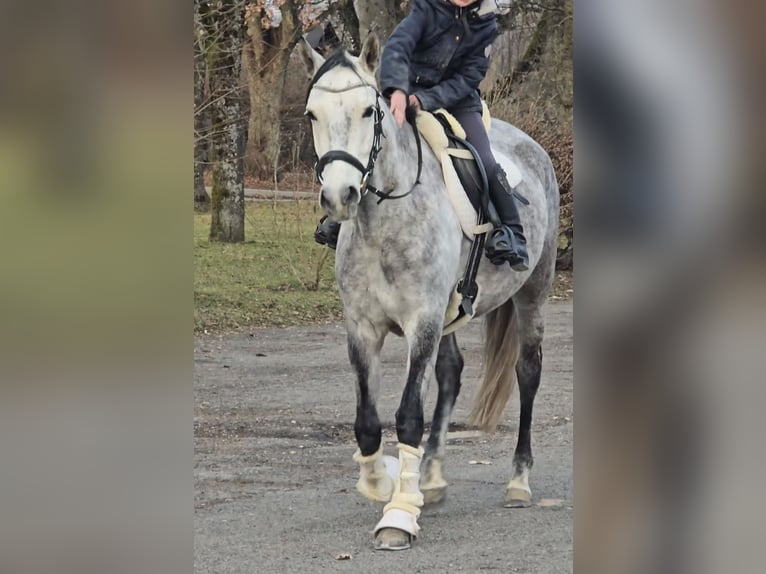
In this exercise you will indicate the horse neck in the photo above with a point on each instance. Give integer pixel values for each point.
(396, 168)
(397, 160)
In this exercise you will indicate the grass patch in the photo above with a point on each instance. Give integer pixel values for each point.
(278, 277)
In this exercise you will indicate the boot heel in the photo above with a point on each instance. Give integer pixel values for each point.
(520, 266)
(326, 232)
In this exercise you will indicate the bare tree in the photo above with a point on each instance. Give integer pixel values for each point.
(273, 29)
(349, 22)
(221, 36)
(201, 119)
(379, 16)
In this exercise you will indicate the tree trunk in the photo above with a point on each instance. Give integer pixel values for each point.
(201, 123)
(267, 52)
(350, 25)
(561, 48)
(380, 17)
(222, 27)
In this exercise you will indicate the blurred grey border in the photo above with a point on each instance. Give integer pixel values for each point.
(95, 164)
(668, 293)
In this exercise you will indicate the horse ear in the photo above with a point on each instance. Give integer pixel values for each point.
(311, 58)
(369, 57)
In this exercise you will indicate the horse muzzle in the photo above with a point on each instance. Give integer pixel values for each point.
(339, 204)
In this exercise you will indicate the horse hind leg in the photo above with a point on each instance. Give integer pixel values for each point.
(449, 366)
(398, 526)
(528, 371)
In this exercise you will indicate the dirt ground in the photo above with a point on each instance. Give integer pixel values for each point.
(274, 479)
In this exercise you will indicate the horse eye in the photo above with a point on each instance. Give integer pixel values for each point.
(368, 112)
(310, 115)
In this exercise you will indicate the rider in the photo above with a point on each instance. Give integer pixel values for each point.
(436, 58)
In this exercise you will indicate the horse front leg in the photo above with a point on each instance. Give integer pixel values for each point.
(399, 525)
(364, 345)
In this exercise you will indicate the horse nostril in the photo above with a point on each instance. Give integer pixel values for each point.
(349, 195)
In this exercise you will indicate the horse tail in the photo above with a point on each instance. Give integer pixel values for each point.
(501, 351)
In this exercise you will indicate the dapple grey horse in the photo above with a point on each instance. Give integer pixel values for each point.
(397, 265)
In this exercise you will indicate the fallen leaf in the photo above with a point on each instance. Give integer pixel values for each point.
(550, 502)
(479, 462)
(343, 556)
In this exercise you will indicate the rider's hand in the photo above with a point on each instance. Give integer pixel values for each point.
(398, 105)
(415, 102)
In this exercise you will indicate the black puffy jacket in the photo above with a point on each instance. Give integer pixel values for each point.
(439, 54)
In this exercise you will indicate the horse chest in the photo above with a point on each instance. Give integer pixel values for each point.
(379, 287)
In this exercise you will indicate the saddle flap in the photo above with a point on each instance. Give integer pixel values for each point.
(461, 173)
(467, 169)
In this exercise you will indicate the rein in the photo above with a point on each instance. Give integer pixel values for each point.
(366, 171)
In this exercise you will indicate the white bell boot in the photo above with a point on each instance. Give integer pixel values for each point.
(377, 475)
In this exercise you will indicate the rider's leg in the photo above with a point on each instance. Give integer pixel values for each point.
(506, 242)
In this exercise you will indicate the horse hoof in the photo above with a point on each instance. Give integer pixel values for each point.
(392, 539)
(434, 495)
(517, 498)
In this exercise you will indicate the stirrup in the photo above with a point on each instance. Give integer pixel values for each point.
(500, 249)
(326, 232)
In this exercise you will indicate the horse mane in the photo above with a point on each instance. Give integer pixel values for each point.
(337, 58)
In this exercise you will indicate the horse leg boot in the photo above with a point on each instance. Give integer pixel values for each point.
(400, 516)
(377, 473)
(326, 232)
(506, 242)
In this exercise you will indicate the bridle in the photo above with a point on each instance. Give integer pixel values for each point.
(366, 171)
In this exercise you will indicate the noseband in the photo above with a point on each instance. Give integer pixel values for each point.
(377, 134)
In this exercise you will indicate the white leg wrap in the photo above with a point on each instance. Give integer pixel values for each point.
(377, 474)
(404, 509)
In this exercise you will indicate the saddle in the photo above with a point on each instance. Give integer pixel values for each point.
(468, 192)
(462, 169)
(468, 168)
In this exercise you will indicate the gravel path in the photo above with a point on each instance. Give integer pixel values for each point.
(275, 480)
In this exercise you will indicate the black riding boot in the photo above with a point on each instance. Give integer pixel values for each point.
(506, 242)
(327, 232)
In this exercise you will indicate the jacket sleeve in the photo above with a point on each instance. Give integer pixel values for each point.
(452, 90)
(395, 61)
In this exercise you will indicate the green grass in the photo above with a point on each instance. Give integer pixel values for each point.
(278, 277)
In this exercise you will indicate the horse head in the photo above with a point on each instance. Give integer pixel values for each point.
(344, 107)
